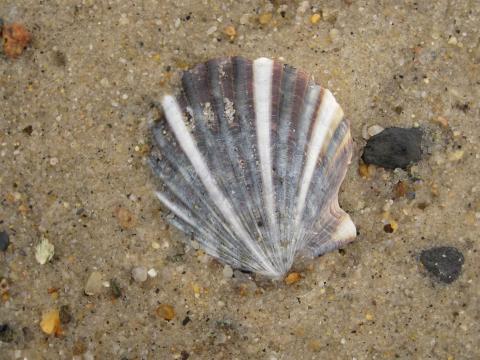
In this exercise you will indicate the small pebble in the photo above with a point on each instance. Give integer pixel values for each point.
(244, 19)
(4, 241)
(6, 333)
(125, 218)
(15, 39)
(165, 311)
(50, 323)
(94, 284)
(374, 130)
(227, 272)
(152, 273)
(456, 155)
(443, 262)
(315, 345)
(394, 148)
(139, 274)
(211, 30)
(265, 18)
(334, 35)
(230, 32)
(292, 278)
(44, 252)
(441, 121)
(453, 40)
(315, 18)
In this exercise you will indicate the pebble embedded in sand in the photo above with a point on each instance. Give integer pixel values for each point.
(394, 148)
(15, 39)
(139, 274)
(4, 241)
(94, 284)
(44, 252)
(165, 311)
(50, 323)
(443, 262)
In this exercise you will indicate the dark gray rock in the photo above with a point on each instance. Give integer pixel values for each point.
(4, 240)
(6, 333)
(443, 262)
(394, 148)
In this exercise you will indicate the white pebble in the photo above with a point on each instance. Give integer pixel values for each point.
(94, 284)
(139, 274)
(152, 273)
(374, 130)
(211, 30)
(227, 272)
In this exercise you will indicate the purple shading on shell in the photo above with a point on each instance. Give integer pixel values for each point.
(251, 156)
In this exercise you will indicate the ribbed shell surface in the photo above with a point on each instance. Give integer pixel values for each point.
(251, 155)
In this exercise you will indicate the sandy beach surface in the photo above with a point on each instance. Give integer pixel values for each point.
(74, 134)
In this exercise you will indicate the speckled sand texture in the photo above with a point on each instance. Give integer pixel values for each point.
(74, 112)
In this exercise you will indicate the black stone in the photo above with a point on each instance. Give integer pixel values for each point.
(6, 333)
(186, 321)
(4, 241)
(444, 262)
(394, 148)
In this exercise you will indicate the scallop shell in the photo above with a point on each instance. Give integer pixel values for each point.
(251, 155)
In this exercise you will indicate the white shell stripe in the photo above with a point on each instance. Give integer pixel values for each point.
(174, 116)
(322, 131)
(262, 85)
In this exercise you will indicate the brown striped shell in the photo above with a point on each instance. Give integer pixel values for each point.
(251, 155)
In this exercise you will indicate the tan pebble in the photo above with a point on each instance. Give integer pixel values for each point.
(315, 18)
(363, 170)
(334, 35)
(196, 290)
(244, 19)
(50, 323)
(94, 284)
(315, 345)
(374, 130)
(23, 209)
(453, 40)
(394, 225)
(441, 121)
(265, 18)
(456, 155)
(165, 311)
(292, 278)
(369, 317)
(44, 251)
(230, 32)
(125, 218)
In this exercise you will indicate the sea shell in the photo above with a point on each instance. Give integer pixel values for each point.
(251, 155)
